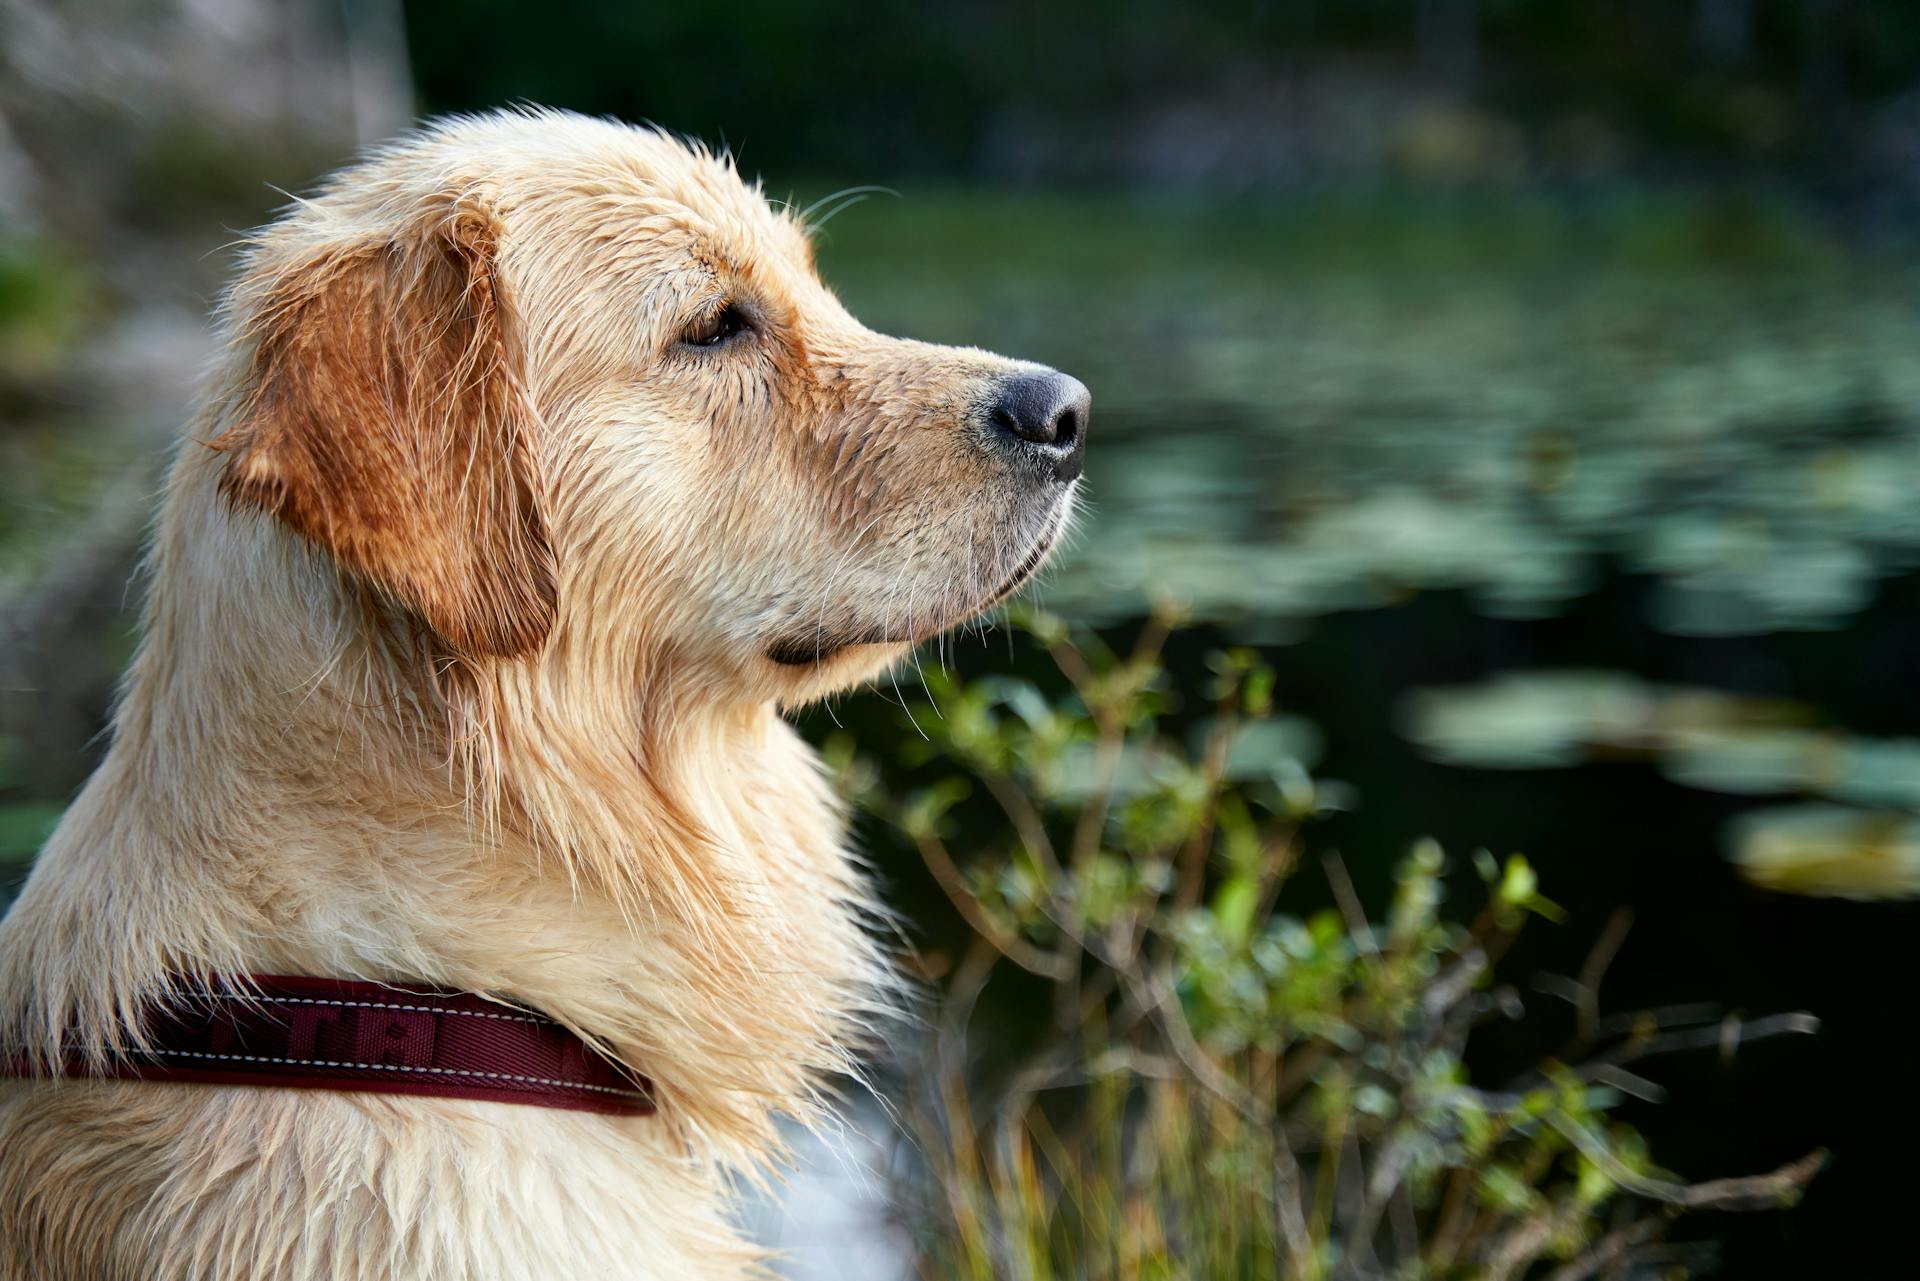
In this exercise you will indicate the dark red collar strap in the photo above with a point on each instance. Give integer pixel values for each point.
(404, 1038)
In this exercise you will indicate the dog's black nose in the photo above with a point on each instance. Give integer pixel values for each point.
(1045, 414)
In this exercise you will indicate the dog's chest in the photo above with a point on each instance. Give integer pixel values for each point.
(196, 1182)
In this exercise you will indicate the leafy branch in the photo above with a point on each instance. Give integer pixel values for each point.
(1222, 1089)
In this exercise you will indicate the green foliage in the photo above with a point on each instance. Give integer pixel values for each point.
(1223, 1089)
(24, 823)
(44, 299)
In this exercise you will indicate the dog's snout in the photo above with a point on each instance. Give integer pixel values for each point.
(1045, 414)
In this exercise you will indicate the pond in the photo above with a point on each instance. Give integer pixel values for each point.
(1312, 411)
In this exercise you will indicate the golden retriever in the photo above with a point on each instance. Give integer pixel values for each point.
(539, 473)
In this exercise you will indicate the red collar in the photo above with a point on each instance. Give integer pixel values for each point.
(333, 1034)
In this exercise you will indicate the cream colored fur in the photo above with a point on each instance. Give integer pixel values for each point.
(342, 756)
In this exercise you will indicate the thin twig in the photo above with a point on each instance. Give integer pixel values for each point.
(1027, 824)
(1747, 1192)
(1192, 861)
(1727, 1036)
(1349, 900)
(1594, 969)
(1016, 949)
(1617, 1246)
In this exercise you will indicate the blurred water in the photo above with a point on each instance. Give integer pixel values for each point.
(1287, 424)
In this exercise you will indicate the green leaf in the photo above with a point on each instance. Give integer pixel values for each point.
(1233, 907)
(923, 812)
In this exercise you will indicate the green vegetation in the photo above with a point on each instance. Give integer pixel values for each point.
(1209, 1086)
(24, 825)
(44, 298)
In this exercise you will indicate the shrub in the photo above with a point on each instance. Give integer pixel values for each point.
(1221, 1089)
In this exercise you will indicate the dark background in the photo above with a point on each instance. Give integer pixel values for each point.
(1812, 93)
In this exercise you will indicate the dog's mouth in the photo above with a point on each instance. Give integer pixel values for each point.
(1027, 568)
(808, 651)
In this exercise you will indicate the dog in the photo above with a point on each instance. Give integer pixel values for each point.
(539, 474)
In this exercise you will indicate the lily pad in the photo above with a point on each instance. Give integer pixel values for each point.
(1830, 850)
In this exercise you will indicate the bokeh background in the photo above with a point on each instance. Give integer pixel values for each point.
(1536, 384)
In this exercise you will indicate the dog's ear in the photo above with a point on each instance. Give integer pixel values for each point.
(382, 421)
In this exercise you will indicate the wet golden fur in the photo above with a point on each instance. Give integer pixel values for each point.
(456, 669)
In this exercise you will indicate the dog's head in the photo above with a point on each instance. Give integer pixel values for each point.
(550, 384)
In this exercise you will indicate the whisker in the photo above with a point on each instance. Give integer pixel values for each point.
(848, 196)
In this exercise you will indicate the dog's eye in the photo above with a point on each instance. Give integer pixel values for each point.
(714, 329)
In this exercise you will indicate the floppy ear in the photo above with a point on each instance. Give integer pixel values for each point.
(382, 422)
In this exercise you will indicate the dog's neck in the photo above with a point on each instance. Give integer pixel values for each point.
(283, 795)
